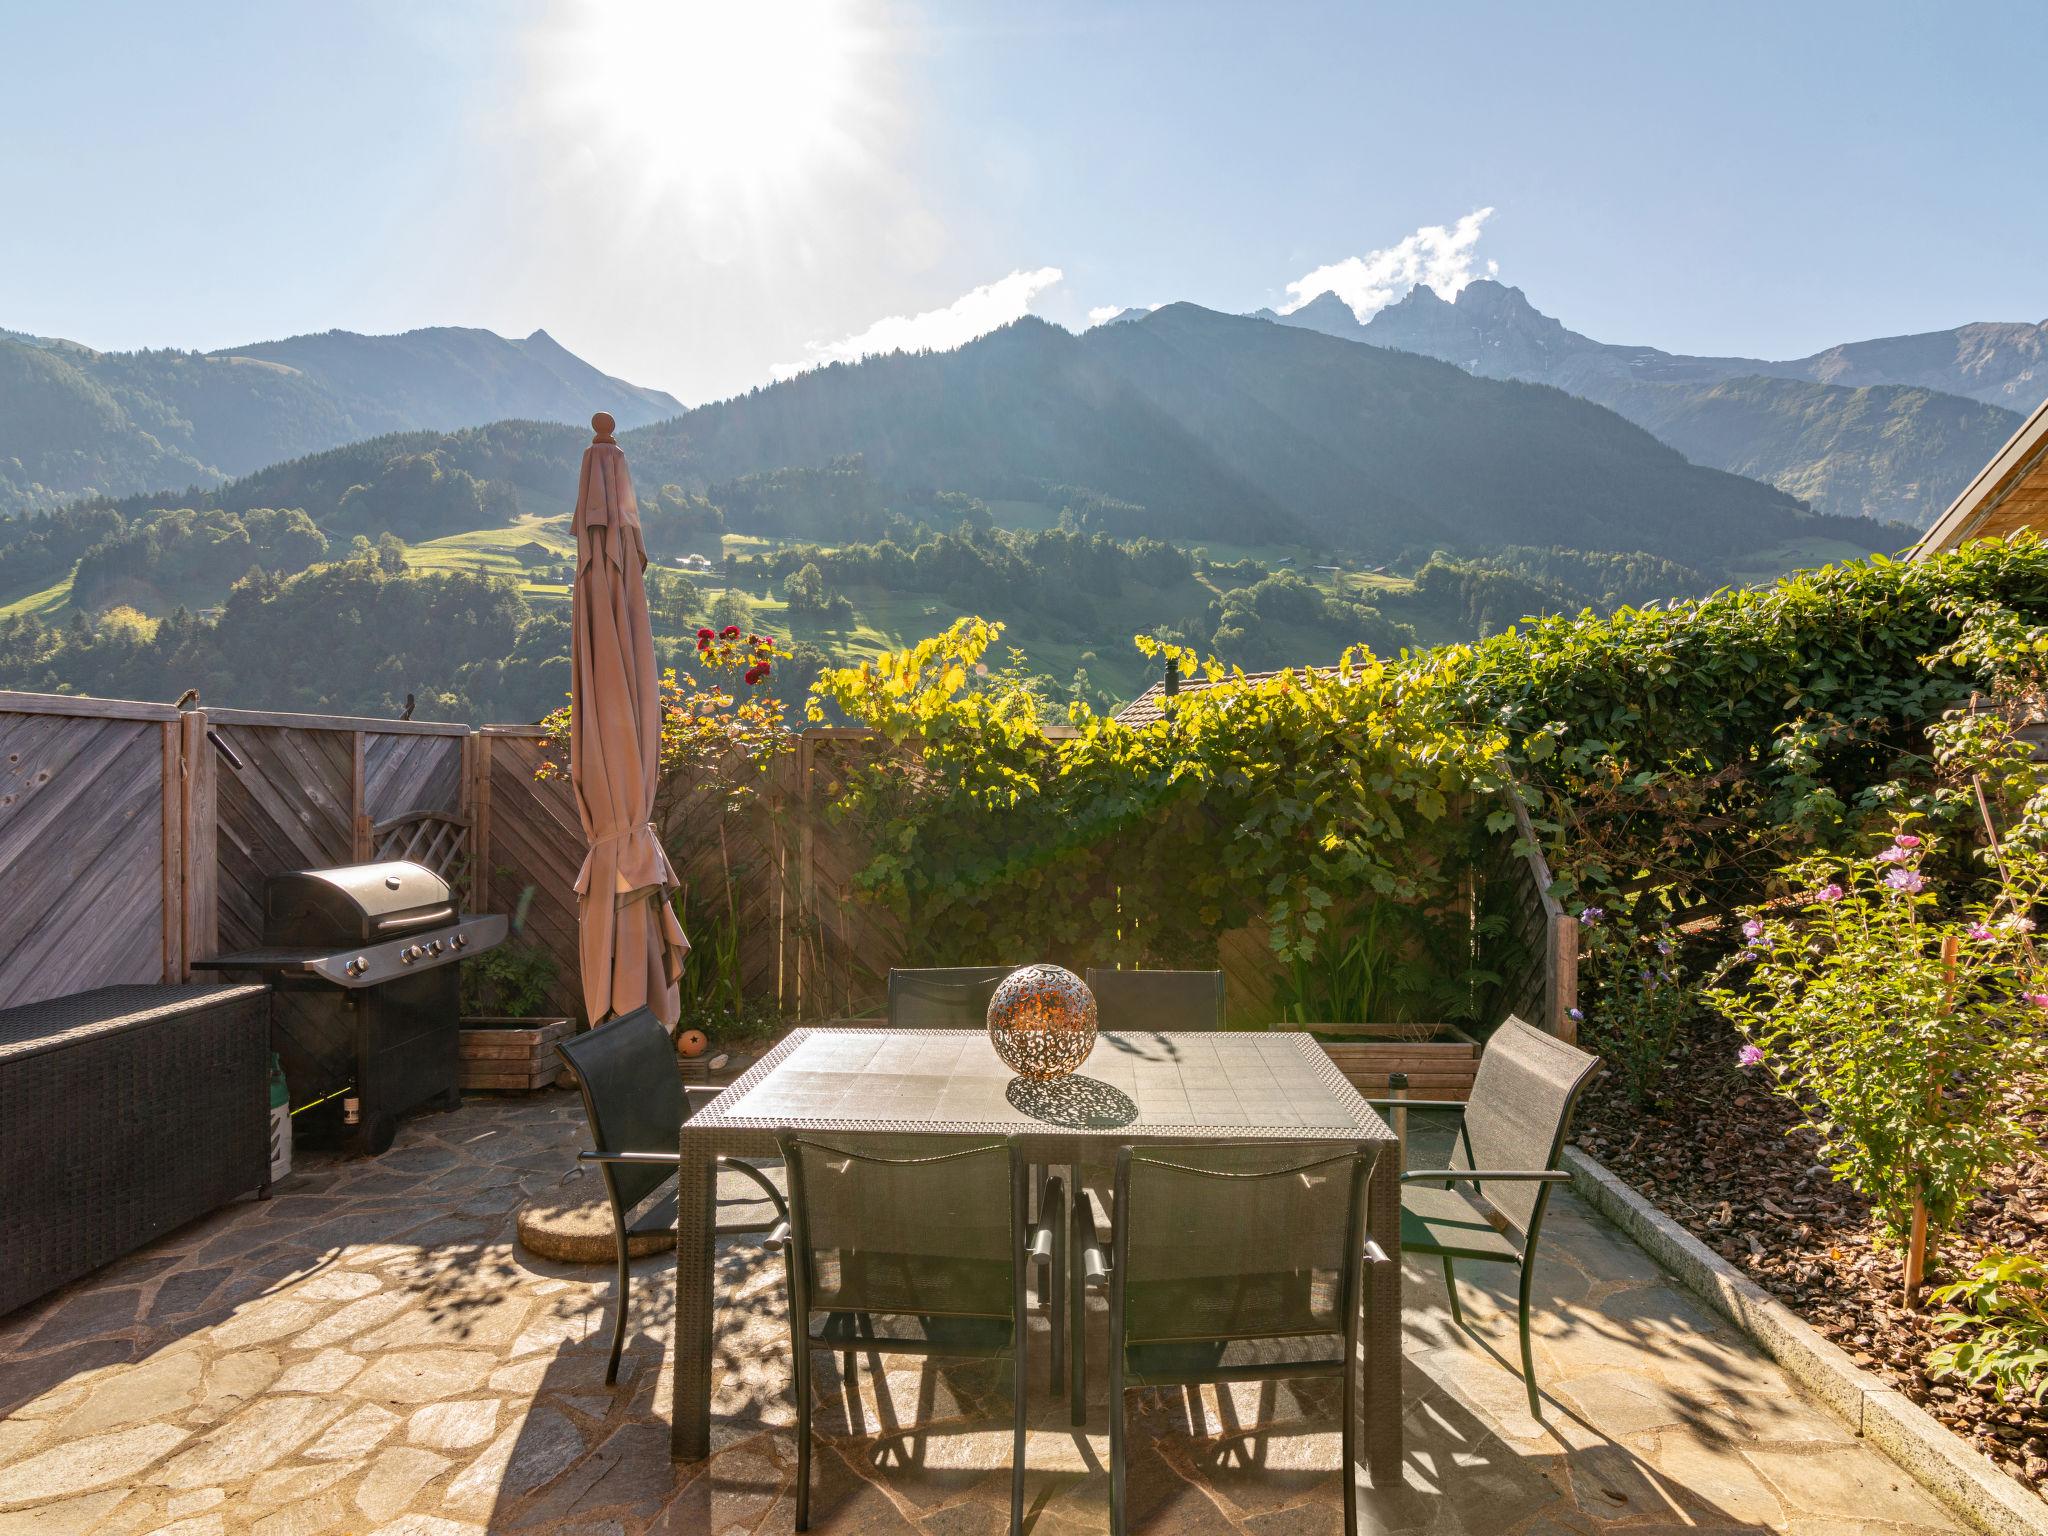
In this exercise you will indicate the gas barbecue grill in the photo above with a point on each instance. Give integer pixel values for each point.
(366, 994)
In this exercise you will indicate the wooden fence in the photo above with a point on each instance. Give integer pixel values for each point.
(135, 840)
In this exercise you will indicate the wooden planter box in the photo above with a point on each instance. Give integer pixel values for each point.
(1440, 1059)
(515, 1055)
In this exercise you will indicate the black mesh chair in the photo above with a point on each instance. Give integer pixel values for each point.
(912, 1245)
(1157, 1000)
(1488, 1205)
(1233, 1263)
(943, 997)
(634, 1099)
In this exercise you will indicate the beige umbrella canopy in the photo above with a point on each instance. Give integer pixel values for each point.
(632, 945)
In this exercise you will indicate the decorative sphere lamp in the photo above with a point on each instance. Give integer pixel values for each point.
(1042, 1021)
(691, 1042)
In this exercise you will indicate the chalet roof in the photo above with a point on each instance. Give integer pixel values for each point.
(2009, 493)
(1145, 708)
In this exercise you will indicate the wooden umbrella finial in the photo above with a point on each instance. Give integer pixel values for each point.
(602, 426)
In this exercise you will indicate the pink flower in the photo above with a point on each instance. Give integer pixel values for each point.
(1829, 892)
(1981, 934)
(1893, 856)
(1750, 1056)
(1910, 881)
(1906, 840)
(1753, 929)
(2038, 999)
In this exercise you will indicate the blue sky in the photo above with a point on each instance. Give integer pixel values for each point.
(699, 196)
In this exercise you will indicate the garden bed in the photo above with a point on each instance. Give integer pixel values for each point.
(1722, 1154)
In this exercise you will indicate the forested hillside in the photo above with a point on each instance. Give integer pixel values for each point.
(74, 421)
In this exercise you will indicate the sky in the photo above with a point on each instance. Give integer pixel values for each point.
(706, 196)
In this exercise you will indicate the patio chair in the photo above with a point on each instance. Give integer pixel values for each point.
(1156, 1000)
(1233, 1263)
(913, 1245)
(1488, 1206)
(635, 1102)
(943, 997)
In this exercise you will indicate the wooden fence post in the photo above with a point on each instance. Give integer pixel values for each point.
(171, 809)
(199, 840)
(480, 833)
(1561, 978)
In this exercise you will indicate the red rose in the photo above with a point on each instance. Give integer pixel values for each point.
(730, 632)
(704, 642)
(703, 634)
(753, 675)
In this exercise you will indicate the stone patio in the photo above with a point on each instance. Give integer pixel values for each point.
(370, 1352)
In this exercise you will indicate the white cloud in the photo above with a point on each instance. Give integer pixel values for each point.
(973, 314)
(1440, 257)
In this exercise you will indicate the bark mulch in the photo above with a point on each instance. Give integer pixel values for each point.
(1724, 1155)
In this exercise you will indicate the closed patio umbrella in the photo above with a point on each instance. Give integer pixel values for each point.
(632, 946)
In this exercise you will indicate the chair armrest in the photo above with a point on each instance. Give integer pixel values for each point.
(643, 1159)
(777, 1239)
(1456, 1104)
(1052, 1208)
(1486, 1175)
(697, 1095)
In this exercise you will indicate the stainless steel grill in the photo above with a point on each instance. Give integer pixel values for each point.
(366, 994)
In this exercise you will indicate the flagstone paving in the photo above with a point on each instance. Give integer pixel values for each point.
(371, 1352)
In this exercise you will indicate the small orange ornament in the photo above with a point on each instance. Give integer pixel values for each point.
(691, 1042)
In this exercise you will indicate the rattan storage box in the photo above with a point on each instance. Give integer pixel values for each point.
(124, 1112)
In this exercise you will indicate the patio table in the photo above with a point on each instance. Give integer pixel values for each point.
(1133, 1088)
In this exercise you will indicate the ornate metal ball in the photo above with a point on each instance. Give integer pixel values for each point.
(1042, 1021)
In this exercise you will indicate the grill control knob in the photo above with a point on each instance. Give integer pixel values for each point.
(460, 941)
(410, 953)
(357, 966)
(434, 948)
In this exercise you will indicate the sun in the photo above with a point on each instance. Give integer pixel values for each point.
(714, 99)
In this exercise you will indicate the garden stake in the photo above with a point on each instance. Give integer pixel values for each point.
(1916, 1244)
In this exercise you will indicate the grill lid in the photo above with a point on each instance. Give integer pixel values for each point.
(356, 904)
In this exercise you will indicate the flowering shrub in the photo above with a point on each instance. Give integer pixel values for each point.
(1896, 1032)
(1640, 982)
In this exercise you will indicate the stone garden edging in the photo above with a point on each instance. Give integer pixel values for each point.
(1938, 1459)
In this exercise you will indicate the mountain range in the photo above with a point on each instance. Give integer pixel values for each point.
(1888, 428)
(78, 422)
(1221, 427)
(1187, 424)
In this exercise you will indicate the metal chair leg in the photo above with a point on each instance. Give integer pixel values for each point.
(1017, 1442)
(803, 1437)
(1451, 1287)
(1528, 1352)
(1078, 1211)
(1056, 1293)
(611, 1370)
(1116, 1438)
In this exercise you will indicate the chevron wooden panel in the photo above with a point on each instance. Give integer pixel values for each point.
(84, 850)
(530, 844)
(290, 805)
(410, 773)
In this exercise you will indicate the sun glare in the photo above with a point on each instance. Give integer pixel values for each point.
(714, 96)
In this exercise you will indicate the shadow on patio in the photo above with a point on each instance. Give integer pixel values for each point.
(371, 1351)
